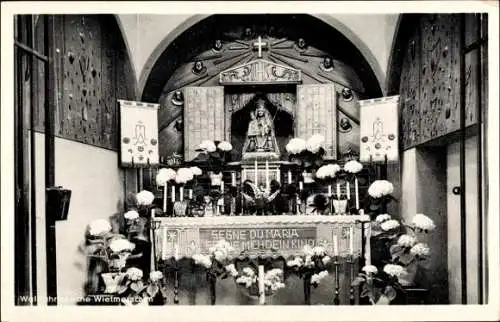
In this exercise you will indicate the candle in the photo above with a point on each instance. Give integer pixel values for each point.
(190, 192)
(173, 193)
(181, 193)
(329, 190)
(278, 175)
(289, 176)
(356, 192)
(348, 190)
(256, 179)
(335, 246)
(176, 252)
(164, 244)
(222, 186)
(165, 198)
(351, 240)
(338, 191)
(368, 254)
(267, 175)
(233, 179)
(244, 176)
(262, 293)
(301, 185)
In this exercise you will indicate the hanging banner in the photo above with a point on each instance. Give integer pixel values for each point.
(379, 129)
(139, 134)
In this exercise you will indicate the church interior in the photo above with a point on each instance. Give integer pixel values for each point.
(246, 159)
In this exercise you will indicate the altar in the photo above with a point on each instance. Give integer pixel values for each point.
(256, 184)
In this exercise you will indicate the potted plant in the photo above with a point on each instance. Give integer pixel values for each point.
(247, 280)
(134, 291)
(311, 266)
(308, 155)
(398, 256)
(217, 264)
(212, 156)
(107, 253)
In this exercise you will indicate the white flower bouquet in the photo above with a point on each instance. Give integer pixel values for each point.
(213, 154)
(307, 154)
(165, 175)
(248, 278)
(313, 264)
(218, 262)
(184, 175)
(380, 194)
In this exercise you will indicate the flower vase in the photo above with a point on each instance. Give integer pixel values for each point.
(340, 206)
(180, 209)
(111, 281)
(215, 178)
(383, 300)
(308, 177)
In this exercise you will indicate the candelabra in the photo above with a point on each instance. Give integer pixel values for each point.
(336, 295)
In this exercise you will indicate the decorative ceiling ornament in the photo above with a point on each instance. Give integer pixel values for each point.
(218, 46)
(260, 71)
(347, 94)
(327, 64)
(178, 98)
(301, 44)
(345, 125)
(198, 67)
(248, 33)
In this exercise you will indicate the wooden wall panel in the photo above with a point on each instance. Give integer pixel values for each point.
(430, 79)
(317, 114)
(93, 71)
(439, 85)
(203, 117)
(471, 87)
(410, 93)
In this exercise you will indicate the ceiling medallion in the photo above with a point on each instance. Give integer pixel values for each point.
(327, 64)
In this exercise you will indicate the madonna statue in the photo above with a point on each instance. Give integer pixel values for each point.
(260, 134)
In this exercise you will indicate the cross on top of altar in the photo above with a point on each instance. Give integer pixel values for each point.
(259, 44)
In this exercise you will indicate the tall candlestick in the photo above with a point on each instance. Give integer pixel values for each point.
(233, 179)
(348, 190)
(181, 193)
(289, 176)
(256, 178)
(165, 198)
(335, 246)
(152, 239)
(356, 192)
(301, 185)
(173, 194)
(351, 240)
(338, 191)
(267, 175)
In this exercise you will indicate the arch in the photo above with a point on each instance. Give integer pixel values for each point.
(369, 58)
(127, 48)
(404, 26)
